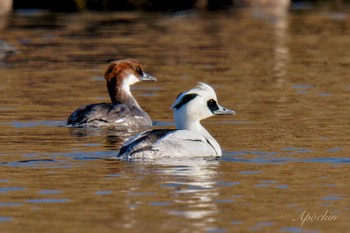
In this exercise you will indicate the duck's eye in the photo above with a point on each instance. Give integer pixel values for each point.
(139, 71)
(211, 102)
(212, 105)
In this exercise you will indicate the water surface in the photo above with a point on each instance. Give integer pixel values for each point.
(285, 152)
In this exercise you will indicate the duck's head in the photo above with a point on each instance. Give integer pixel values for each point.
(123, 73)
(199, 103)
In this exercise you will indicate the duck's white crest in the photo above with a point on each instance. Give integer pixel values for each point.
(201, 89)
(192, 106)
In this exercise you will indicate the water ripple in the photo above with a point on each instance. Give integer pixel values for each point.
(5, 218)
(49, 192)
(58, 200)
(10, 204)
(21, 124)
(10, 189)
(267, 157)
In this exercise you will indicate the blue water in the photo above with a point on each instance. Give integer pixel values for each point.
(5, 218)
(40, 201)
(23, 124)
(59, 160)
(222, 183)
(50, 192)
(104, 192)
(11, 189)
(10, 204)
(334, 197)
(160, 203)
(283, 156)
(297, 230)
(216, 230)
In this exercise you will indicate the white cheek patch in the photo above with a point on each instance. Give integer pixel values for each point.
(198, 109)
(131, 79)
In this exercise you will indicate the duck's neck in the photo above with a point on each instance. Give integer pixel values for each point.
(190, 124)
(121, 94)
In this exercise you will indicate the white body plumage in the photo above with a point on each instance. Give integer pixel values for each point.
(190, 139)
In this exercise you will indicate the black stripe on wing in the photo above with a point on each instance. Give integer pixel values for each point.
(144, 142)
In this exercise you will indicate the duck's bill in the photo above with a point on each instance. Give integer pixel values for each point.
(223, 111)
(147, 77)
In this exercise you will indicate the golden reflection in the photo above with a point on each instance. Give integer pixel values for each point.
(276, 13)
(189, 185)
(5, 6)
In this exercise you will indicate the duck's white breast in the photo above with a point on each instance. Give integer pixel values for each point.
(182, 143)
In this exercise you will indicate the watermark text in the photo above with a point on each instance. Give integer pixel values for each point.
(307, 216)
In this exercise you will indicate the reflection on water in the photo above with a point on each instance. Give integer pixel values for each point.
(277, 15)
(192, 188)
(193, 179)
(285, 152)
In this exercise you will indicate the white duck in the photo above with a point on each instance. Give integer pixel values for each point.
(190, 138)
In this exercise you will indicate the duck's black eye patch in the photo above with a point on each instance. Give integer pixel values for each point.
(139, 71)
(212, 105)
(185, 99)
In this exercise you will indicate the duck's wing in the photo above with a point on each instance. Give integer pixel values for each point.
(168, 143)
(98, 113)
(143, 141)
(182, 143)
